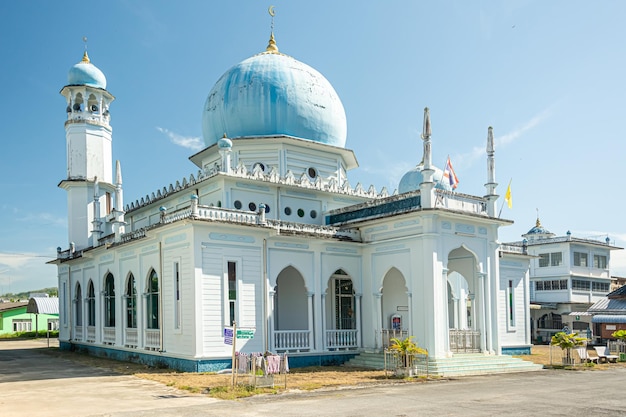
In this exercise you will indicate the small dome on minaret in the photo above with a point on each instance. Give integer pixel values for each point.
(86, 73)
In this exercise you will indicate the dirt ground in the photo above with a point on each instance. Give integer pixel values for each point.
(305, 379)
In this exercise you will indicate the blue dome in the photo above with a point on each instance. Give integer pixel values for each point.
(274, 94)
(539, 230)
(411, 180)
(85, 73)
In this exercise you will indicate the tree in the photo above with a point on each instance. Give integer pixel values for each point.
(405, 348)
(567, 341)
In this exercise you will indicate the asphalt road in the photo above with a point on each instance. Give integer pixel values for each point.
(34, 384)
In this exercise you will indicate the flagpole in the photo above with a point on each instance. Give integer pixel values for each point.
(443, 172)
(504, 201)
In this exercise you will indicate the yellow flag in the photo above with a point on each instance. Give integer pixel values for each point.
(507, 197)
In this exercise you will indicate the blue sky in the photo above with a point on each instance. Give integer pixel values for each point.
(548, 76)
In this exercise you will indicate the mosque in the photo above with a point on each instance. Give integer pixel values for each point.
(269, 236)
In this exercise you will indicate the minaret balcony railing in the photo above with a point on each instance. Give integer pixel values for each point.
(460, 202)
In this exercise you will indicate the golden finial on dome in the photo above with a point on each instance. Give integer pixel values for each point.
(271, 46)
(85, 56)
(538, 224)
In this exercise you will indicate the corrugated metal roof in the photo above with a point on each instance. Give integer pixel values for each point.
(609, 318)
(620, 292)
(607, 305)
(43, 305)
(11, 306)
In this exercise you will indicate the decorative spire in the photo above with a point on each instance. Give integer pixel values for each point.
(271, 46)
(490, 145)
(85, 56)
(538, 223)
(426, 132)
(119, 193)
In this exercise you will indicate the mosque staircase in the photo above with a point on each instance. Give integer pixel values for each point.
(458, 365)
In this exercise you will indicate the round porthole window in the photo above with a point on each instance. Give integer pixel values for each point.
(313, 214)
(288, 211)
(300, 213)
(252, 206)
(267, 208)
(238, 204)
(312, 172)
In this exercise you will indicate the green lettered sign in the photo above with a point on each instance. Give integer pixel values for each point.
(245, 333)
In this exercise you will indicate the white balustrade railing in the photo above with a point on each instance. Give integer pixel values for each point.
(464, 340)
(131, 337)
(292, 340)
(153, 339)
(341, 339)
(78, 333)
(389, 334)
(461, 202)
(91, 333)
(108, 335)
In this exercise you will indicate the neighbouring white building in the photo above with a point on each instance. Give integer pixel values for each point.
(269, 233)
(567, 275)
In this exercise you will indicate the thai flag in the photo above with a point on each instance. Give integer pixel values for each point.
(449, 175)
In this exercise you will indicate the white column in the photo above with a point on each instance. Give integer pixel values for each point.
(380, 321)
(323, 326)
(483, 328)
(357, 311)
(458, 320)
(410, 312)
(270, 319)
(446, 322)
(489, 321)
(311, 330)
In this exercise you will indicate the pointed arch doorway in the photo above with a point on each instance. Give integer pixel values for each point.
(342, 313)
(395, 307)
(465, 302)
(293, 313)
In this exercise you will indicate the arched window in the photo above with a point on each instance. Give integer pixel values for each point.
(78, 305)
(131, 303)
(109, 301)
(91, 305)
(152, 302)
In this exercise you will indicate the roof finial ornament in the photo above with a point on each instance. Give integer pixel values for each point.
(271, 46)
(538, 224)
(85, 56)
(426, 132)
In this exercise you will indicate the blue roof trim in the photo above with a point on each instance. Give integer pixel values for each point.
(608, 318)
(376, 211)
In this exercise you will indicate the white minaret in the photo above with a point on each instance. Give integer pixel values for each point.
(118, 211)
(89, 152)
(491, 184)
(427, 193)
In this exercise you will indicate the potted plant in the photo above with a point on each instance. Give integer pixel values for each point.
(621, 336)
(405, 349)
(567, 341)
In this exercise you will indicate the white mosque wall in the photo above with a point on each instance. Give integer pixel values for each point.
(220, 246)
(514, 331)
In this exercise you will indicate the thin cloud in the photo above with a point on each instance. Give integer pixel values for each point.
(190, 142)
(467, 159)
(43, 219)
(15, 261)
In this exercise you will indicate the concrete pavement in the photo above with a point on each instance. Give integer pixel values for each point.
(35, 384)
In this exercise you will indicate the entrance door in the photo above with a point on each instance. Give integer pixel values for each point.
(344, 304)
